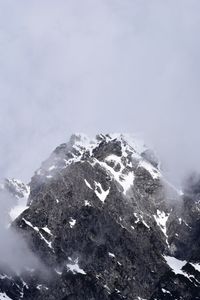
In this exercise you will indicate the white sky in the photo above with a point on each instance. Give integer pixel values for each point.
(99, 66)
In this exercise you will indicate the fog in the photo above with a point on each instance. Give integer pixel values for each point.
(14, 252)
(99, 66)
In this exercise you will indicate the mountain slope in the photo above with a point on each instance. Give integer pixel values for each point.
(106, 225)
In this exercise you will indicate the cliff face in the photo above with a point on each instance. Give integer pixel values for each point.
(105, 224)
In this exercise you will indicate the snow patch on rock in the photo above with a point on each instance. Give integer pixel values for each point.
(88, 185)
(72, 222)
(74, 267)
(196, 266)
(176, 264)
(99, 191)
(161, 219)
(38, 231)
(46, 229)
(87, 203)
(3, 296)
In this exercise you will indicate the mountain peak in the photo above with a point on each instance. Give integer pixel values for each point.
(118, 154)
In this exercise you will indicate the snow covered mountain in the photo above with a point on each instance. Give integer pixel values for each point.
(105, 224)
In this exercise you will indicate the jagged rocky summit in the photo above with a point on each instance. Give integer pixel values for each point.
(105, 224)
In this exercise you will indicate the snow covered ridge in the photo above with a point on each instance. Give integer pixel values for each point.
(118, 165)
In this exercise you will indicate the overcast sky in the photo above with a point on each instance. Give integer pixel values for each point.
(99, 66)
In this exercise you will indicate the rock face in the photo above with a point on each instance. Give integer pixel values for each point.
(105, 224)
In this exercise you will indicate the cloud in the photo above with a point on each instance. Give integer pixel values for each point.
(14, 252)
(99, 66)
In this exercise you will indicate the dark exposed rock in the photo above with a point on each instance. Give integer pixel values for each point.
(100, 221)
